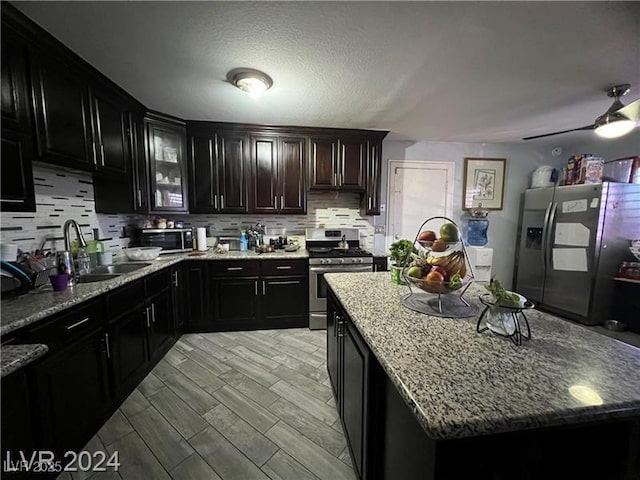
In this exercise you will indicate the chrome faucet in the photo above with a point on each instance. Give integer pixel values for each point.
(65, 258)
(66, 230)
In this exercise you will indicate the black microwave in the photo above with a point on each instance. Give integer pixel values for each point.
(172, 240)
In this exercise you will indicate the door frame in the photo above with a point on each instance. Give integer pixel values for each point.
(449, 167)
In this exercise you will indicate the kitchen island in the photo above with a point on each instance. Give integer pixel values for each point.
(440, 400)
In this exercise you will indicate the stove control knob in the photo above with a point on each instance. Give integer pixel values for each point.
(327, 261)
(342, 260)
(360, 260)
(323, 261)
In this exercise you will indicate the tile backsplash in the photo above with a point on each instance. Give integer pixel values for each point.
(63, 195)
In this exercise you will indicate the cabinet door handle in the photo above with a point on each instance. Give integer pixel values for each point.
(369, 203)
(106, 342)
(284, 267)
(93, 150)
(281, 202)
(102, 154)
(140, 197)
(78, 323)
(231, 269)
(255, 287)
(275, 202)
(221, 202)
(263, 288)
(153, 313)
(335, 179)
(215, 202)
(287, 282)
(147, 315)
(175, 279)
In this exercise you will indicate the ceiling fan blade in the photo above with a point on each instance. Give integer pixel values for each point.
(632, 110)
(586, 127)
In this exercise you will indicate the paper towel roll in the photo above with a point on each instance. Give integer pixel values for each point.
(201, 237)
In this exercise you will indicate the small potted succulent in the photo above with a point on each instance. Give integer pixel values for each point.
(400, 257)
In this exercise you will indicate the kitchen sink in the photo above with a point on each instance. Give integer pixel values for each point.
(107, 272)
(119, 268)
(97, 277)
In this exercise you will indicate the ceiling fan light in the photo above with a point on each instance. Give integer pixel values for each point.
(254, 82)
(613, 125)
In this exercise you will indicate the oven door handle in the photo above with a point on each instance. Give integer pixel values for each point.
(342, 269)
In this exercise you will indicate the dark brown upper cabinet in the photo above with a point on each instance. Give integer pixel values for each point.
(165, 162)
(63, 113)
(277, 180)
(16, 190)
(110, 133)
(370, 204)
(337, 163)
(217, 170)
(78, 123)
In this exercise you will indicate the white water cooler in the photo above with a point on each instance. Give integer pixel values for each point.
(481, 259)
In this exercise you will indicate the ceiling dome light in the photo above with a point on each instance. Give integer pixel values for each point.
(613, 125)
(254, 82)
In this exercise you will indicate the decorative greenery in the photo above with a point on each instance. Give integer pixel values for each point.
(401, 252)
(500, 294)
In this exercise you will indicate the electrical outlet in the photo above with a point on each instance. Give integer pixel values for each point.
(379, 229)
(383, 207)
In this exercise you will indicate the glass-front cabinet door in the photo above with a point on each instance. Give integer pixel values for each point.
(166, 167)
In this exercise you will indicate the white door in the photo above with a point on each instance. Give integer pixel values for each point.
(417, 191)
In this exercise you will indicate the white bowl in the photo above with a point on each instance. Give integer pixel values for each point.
(137, 254)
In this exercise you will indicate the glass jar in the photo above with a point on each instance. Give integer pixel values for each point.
(477, 227)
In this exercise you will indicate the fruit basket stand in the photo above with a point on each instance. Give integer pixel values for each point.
(440, 294)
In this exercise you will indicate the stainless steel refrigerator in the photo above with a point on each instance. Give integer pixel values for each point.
(571, 242)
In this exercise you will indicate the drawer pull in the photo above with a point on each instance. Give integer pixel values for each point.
(286, 267)
(78, 323)
(289, 282)
(106, 342)
(234, 268)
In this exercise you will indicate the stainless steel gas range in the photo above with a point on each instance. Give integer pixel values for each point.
(327, 254)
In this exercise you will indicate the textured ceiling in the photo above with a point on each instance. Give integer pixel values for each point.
(438, 71)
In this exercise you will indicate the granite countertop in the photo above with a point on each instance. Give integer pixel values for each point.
(460, 383)
(15, 357)
(18, 312)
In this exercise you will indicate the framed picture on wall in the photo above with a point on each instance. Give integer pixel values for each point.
(483, 183)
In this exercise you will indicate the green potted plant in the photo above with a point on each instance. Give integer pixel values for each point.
(499, 317)
(400, 251)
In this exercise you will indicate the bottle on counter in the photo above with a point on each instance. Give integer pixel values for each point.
(478, 226)
(244, 242)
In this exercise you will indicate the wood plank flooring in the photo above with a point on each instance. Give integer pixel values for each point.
(233, 405)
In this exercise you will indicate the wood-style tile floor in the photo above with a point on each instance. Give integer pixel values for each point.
(238, 405)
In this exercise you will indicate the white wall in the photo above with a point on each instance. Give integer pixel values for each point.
(521, 160)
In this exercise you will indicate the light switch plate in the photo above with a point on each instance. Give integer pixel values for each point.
(379, 229)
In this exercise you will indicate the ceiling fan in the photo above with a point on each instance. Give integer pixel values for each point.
(615, 122)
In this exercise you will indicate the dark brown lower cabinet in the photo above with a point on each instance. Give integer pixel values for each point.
(196, 299)
(354, 375)
(234, 303)
(159, 297)
(246, 295)
(284, 302)
(380, 264)
(16, 419)
(72, 393)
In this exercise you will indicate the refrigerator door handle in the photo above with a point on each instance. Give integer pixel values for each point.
(545, 231)
(552, 219)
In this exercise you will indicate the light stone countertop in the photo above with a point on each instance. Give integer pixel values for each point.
(23, 310)
(460, 383)
(15, 357)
